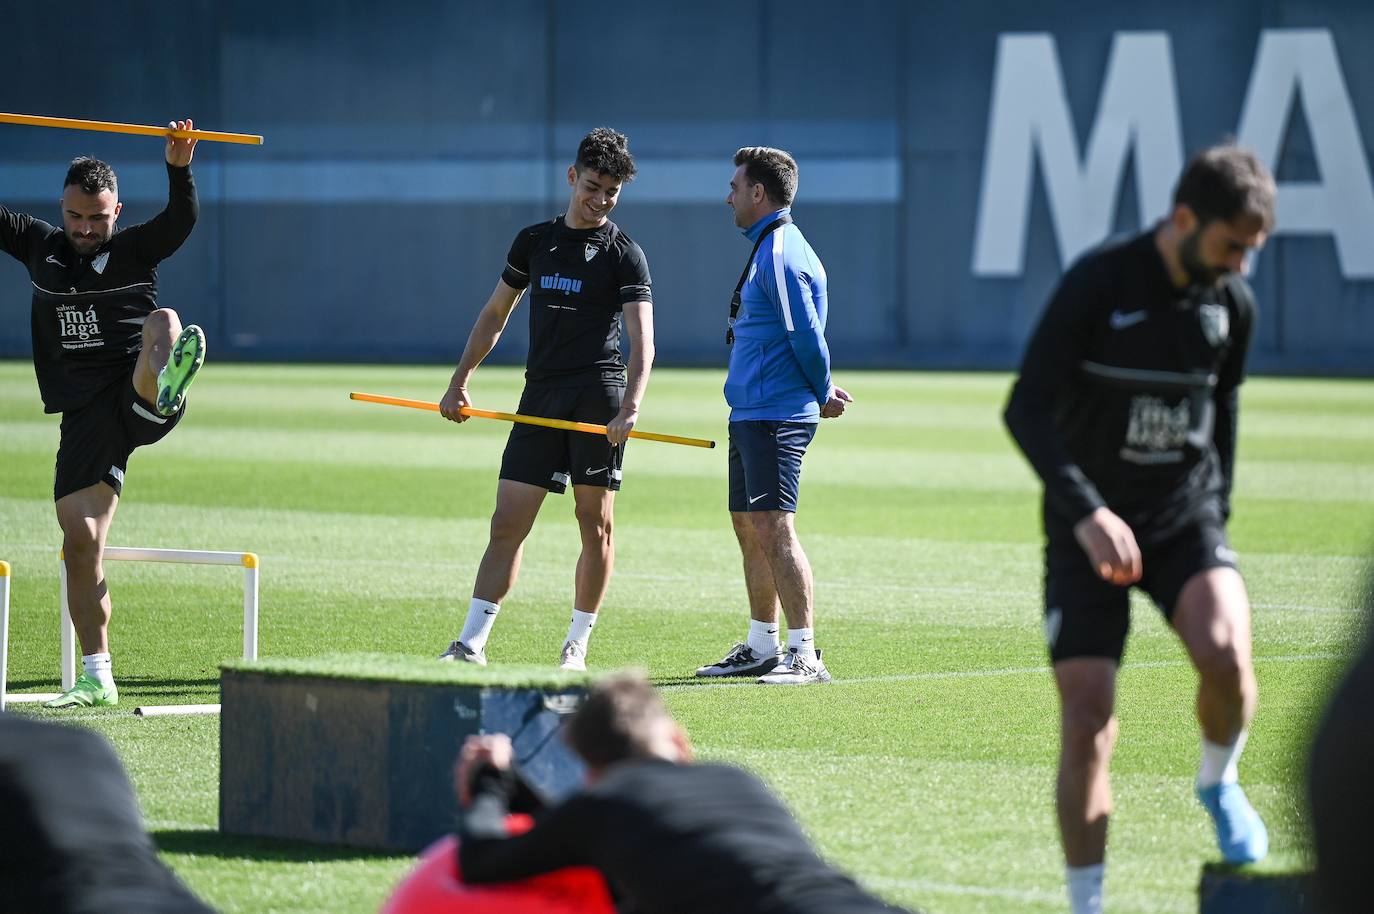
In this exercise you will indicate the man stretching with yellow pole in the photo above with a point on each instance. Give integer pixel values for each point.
(585, 273)
(114, 364)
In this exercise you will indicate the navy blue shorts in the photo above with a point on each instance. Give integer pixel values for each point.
(765, 464)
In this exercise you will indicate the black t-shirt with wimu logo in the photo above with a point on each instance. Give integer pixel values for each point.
(580, 280)
(88, 312)
(1127, 394)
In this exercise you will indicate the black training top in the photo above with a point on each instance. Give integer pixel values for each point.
(670, 839)
(88, 312)
(1127, 394)
(581, 280)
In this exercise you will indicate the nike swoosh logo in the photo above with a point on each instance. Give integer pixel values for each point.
(597, 470)
(757, 497)
(54, 260)
(1120, 320)
(552, 249)
(490, 612)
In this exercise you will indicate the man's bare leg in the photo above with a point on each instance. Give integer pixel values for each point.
(85, 516)
(776, 535)
(1083, 794)
(1212, 619)
(594, 507)
(760, 650)
(758, 573)
(517, 506)
(160, 330)
(777, 538)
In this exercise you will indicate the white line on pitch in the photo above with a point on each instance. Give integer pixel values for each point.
(1025, 896)
(955, 888)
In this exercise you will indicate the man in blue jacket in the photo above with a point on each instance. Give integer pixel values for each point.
(779, 389)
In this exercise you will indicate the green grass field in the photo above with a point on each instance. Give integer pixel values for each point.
(925, 769)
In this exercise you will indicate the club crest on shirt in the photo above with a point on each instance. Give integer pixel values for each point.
(589, 252)
(1216, 323)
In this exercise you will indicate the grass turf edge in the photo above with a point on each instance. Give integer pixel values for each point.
(401, 668)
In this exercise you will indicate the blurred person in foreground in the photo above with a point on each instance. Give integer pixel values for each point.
(1338, 784)
(72, 840)
(669, 834)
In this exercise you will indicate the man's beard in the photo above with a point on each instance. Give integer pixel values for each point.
(1190, 258)
(86, 246)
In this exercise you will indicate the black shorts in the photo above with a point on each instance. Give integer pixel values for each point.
(551, 458)
(765, 464)
(98, 438)
(1086, 616)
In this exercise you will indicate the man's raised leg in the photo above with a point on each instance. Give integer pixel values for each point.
(1083, 794)
(517, 505)
(85, 516)
(169, 360)
(1213, 620)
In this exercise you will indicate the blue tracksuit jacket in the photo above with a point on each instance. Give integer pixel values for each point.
(780, 364)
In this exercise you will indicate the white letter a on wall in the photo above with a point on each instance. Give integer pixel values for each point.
(1293, 61)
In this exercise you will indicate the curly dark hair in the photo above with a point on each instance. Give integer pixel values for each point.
(607, 152)
(1227, 182)
(92, 176)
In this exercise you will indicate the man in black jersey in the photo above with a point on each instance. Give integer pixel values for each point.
(114, 364)
(669, 835)
(584, 273)
(1126, 407)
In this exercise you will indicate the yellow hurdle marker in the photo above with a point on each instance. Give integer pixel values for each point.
(529, 420)
(68, 123)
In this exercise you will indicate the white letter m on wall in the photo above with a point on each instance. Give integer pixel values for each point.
(1138, 109)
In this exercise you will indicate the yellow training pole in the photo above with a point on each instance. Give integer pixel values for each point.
(67, 123)
(529, 420)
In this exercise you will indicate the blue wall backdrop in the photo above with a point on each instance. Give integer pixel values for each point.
(954, 157)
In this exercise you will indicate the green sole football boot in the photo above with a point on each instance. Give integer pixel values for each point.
(86, 693)
(188, 354)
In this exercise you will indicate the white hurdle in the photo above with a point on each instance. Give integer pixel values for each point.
(249, 561)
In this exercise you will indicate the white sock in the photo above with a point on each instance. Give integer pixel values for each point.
(99, 668)
(580, 629)
(1219, 762)
(1085, 888)
(763, 637)
(804, 640)
(481, 617)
